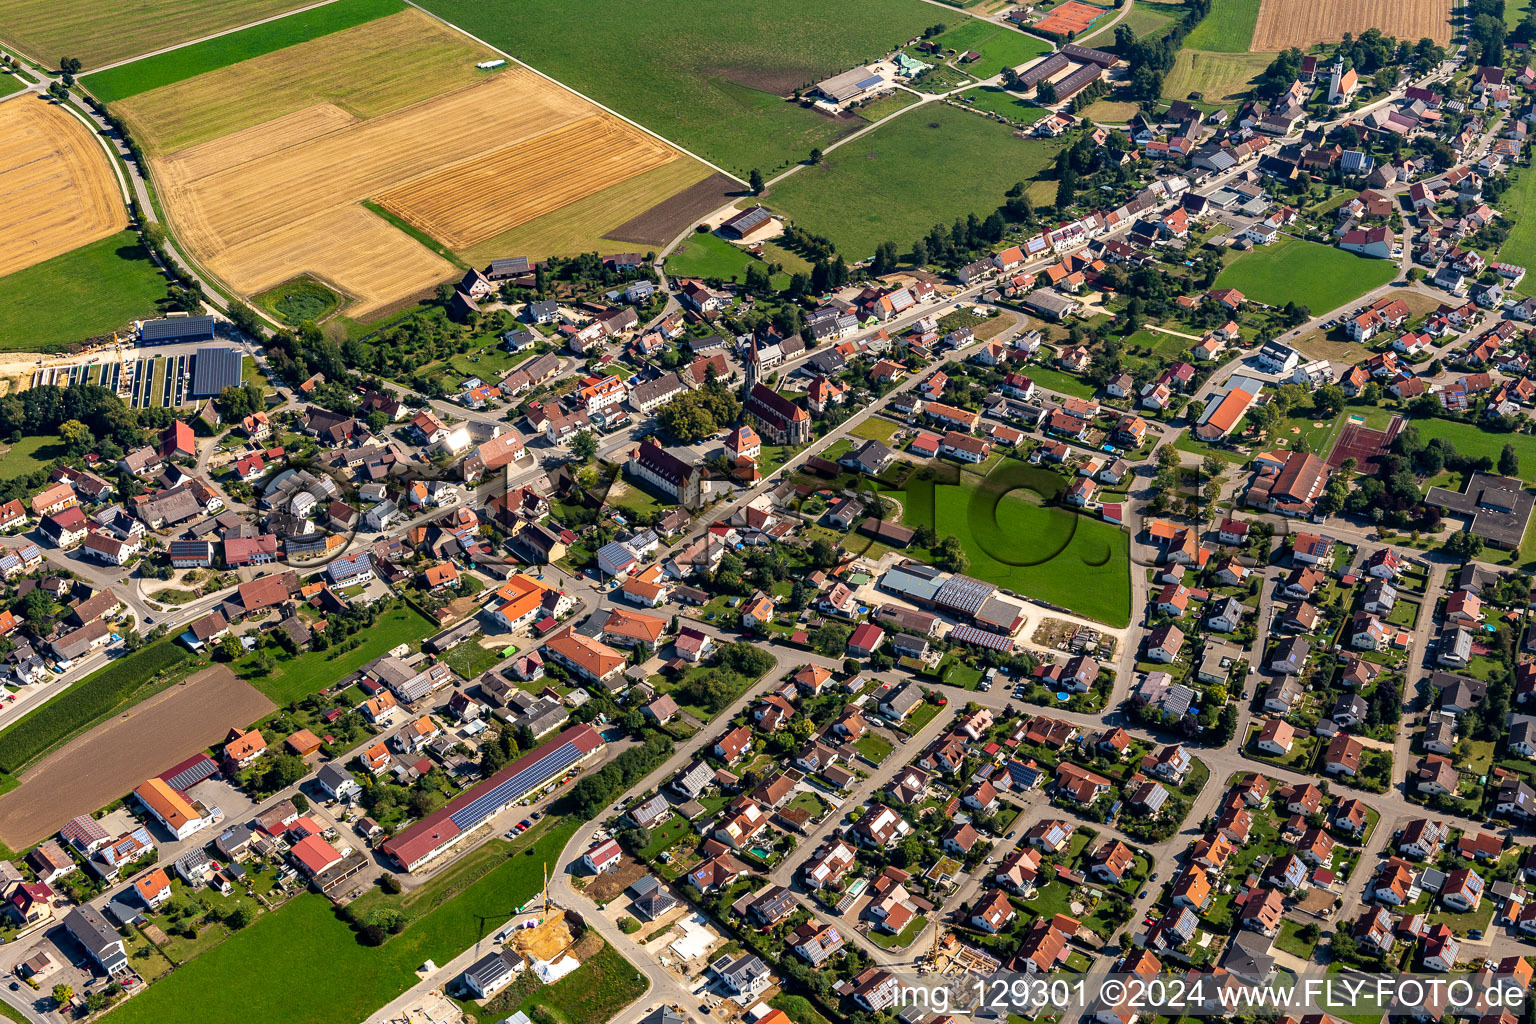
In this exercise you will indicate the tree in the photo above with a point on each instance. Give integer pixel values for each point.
(70, 65)
(58, 91)
(1066, 190)
(830, 639)
(1011, 80)
(283, 771)
(755, 182)
(78, 440)
(62, 994)
(949, 554)
(584, 445)
(1509, 462)
(240, 915)
(1045, 93)
(815, 156)
(1465, 546)
(1329, 400)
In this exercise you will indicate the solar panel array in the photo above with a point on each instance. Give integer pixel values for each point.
(192, 775)
(981, 638)
(214, 369)
(177, 328)
(503, 793)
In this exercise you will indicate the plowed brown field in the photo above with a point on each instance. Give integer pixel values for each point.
(264, 165)
(57, 190)
(110, 760)
(1286, 23)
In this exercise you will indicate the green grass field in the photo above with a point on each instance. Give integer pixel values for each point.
(1147, 19)
(1000, 46)
(1514, 12)
(897, 182)
(96, 289)
(309, 948)
(312, 671)
(1216, 77)
(28, 454)
(706, 254)
(1227, 29)
(1520, 246)
(1469, 439)
(886, 105)
(1319, 277)
(999, 101)
(1018, 543)
(211, 54)
(711, 75)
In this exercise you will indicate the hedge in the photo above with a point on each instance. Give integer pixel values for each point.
(93, 697)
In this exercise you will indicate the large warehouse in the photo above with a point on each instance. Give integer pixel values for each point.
(441, 830)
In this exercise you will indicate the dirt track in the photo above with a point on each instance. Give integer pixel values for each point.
(110, 760)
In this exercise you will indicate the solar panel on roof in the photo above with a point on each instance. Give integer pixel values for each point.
(214, 369)
(535, 775)
(189, 775)
(177, 328)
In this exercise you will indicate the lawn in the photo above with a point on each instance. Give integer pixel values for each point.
(593, 994)
(897, 182)
(1521, 243)
(1317, 276)
(28, 454)
(873, 746)
(469, 659)
(308, 947)
(1052, 379)
(94, 290)
(1015, 540)
(1000, 101)
(212, 54)
(875, 429)
(1000, 46)
(886, 105)
(716, 76)
(706, 254)
(885, 940)
(1216, 77)
(296, 678)
(1146, 19)
(1470, 439)
(1293, 943)
(1228, 28)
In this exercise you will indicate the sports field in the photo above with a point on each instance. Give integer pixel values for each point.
(924, 168)
(715, 76)
(92, 290)
(265, 164)
(98, 32)
(1217, 77)
(1228, 28)
(59, 188)
(1283, 23)
(211, 54)
(113, 758)
(1319, 277)
(1017, 541)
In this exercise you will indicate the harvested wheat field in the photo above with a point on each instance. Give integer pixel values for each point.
(264, 165)
(1286, 23)
(57, 190)
(97, 32)
(110, 760)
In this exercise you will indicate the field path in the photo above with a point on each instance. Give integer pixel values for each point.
(110, 760)
(212, 35)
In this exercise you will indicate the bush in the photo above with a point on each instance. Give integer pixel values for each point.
(628, 925)
(371, 935)
(389, 883)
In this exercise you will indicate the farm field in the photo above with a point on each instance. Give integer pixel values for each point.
(1227, 29)
(98, 32)
(886, 105)
(107, 762)
(92, 290)
(309, 947)
(1283, 23)
(392, 113)
(706, 254)
(898, 181)
(1319, 277)
(714, 76)
(60, 190)
(1217, 77)
(1470, 439)
(211, 54)
(1075, 561)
